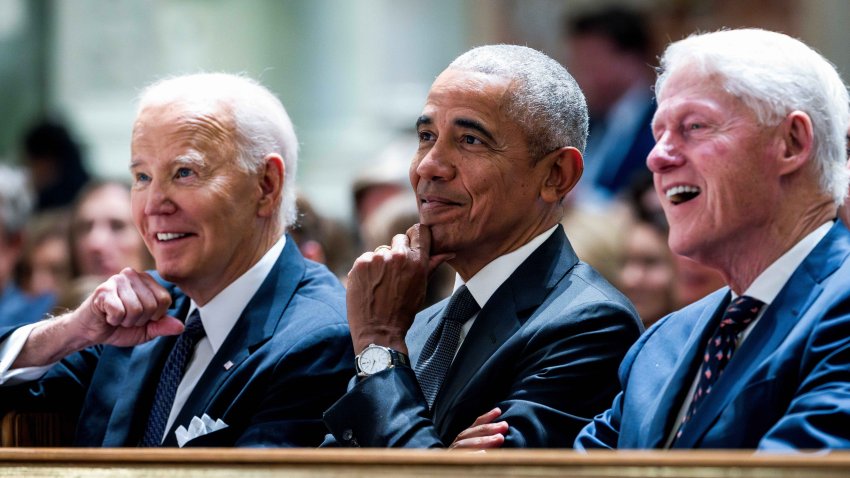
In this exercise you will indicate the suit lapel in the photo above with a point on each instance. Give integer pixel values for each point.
(130, 414)
(801, 290)
(255, 326)
(679, 384)
(505, 312)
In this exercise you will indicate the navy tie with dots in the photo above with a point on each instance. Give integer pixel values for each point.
(169, 379)
(740, 313)
(440, 348)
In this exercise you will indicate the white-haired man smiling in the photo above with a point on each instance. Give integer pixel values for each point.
(265, 347)
(750, 166)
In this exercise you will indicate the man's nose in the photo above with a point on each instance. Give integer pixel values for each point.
(665, 155)
(437, 164)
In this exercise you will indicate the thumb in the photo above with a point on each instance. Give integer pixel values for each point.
(167, 325)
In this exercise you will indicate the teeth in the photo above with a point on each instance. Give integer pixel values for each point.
(680, 194)
(167, 236)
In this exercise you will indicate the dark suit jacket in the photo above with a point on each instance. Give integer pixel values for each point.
(545, 349)
(786, 387)
(291, 358)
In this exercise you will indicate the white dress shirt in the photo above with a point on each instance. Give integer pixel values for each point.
(219, 316)
(483, 284)
(765, 288)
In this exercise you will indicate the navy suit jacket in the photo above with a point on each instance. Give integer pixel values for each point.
(291, 357)
(786, 387)
(545, 349)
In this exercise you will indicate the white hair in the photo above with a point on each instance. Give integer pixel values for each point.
(774, 74)
(16, 199)
(544, 99)
(262, 125)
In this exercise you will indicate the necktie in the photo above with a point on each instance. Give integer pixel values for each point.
(170, 378)
(720, 348)
(441, 346)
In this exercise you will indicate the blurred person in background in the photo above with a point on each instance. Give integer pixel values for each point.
(45, 264)
(609, 53)
(648, 274)
(103, 237)
(56, 164)
(16, 202)
(322, 239)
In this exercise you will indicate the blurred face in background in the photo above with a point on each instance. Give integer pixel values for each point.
(648, 274)
(105, 239)
(48, 266)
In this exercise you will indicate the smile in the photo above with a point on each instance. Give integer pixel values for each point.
(169, 236)
(680, 194)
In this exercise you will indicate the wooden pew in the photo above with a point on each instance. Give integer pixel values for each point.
(375, 463)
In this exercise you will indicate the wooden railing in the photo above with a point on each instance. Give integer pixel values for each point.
(375, 463)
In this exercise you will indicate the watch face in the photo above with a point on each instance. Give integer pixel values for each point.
(374, 359)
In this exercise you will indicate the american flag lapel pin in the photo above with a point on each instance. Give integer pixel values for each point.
(228, 364)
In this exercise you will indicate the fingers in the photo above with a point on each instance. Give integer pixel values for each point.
(167, 325)
(131, 299)
(487, 417)
(483, 433)
(479, 443)
(420, 240)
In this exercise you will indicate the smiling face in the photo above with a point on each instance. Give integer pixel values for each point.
(197, 211)
(477, 187)
(715, 170)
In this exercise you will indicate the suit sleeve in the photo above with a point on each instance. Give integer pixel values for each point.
(818, 416)
(566, 371)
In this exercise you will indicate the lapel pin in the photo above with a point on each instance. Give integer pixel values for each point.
(228, 364)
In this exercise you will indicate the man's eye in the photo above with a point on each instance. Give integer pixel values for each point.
(425, 136)
(142, 178)
(184, 173)
(694, 126)
(471, 139)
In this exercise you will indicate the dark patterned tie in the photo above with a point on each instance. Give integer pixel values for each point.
(169, 379)
(740, 313)
(440, 349)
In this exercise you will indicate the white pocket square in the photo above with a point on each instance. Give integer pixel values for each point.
(197, 427)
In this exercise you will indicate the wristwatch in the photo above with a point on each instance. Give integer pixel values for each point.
(375, 358)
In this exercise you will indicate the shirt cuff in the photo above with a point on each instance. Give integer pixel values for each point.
(9, 351)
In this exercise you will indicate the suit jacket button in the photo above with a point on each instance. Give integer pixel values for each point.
(347, 435)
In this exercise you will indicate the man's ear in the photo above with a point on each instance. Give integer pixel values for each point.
(271, 185)
(797, 142)
(565, 168)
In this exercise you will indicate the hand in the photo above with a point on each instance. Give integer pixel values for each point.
(483, 434)
(128, 309)
(387, 287)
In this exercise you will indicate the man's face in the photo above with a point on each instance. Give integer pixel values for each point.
(476, 186)
(714, 168)
(195, 209)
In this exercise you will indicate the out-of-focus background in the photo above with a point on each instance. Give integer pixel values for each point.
(353, 75)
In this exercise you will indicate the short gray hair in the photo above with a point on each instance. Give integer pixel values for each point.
(262, 125)
(16, 200)
(774, 74)
(544, 99)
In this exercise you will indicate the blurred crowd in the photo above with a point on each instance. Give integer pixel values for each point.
(64, 230)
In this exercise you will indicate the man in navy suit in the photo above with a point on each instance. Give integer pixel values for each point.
(213, 161)
(750, 167)
(500, 141)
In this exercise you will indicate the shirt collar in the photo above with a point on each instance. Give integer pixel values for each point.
(220, 314)
(771, 281)
(483, 284)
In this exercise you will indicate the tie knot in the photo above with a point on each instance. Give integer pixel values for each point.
(462, 306)
(741, 312)
(194, 327)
